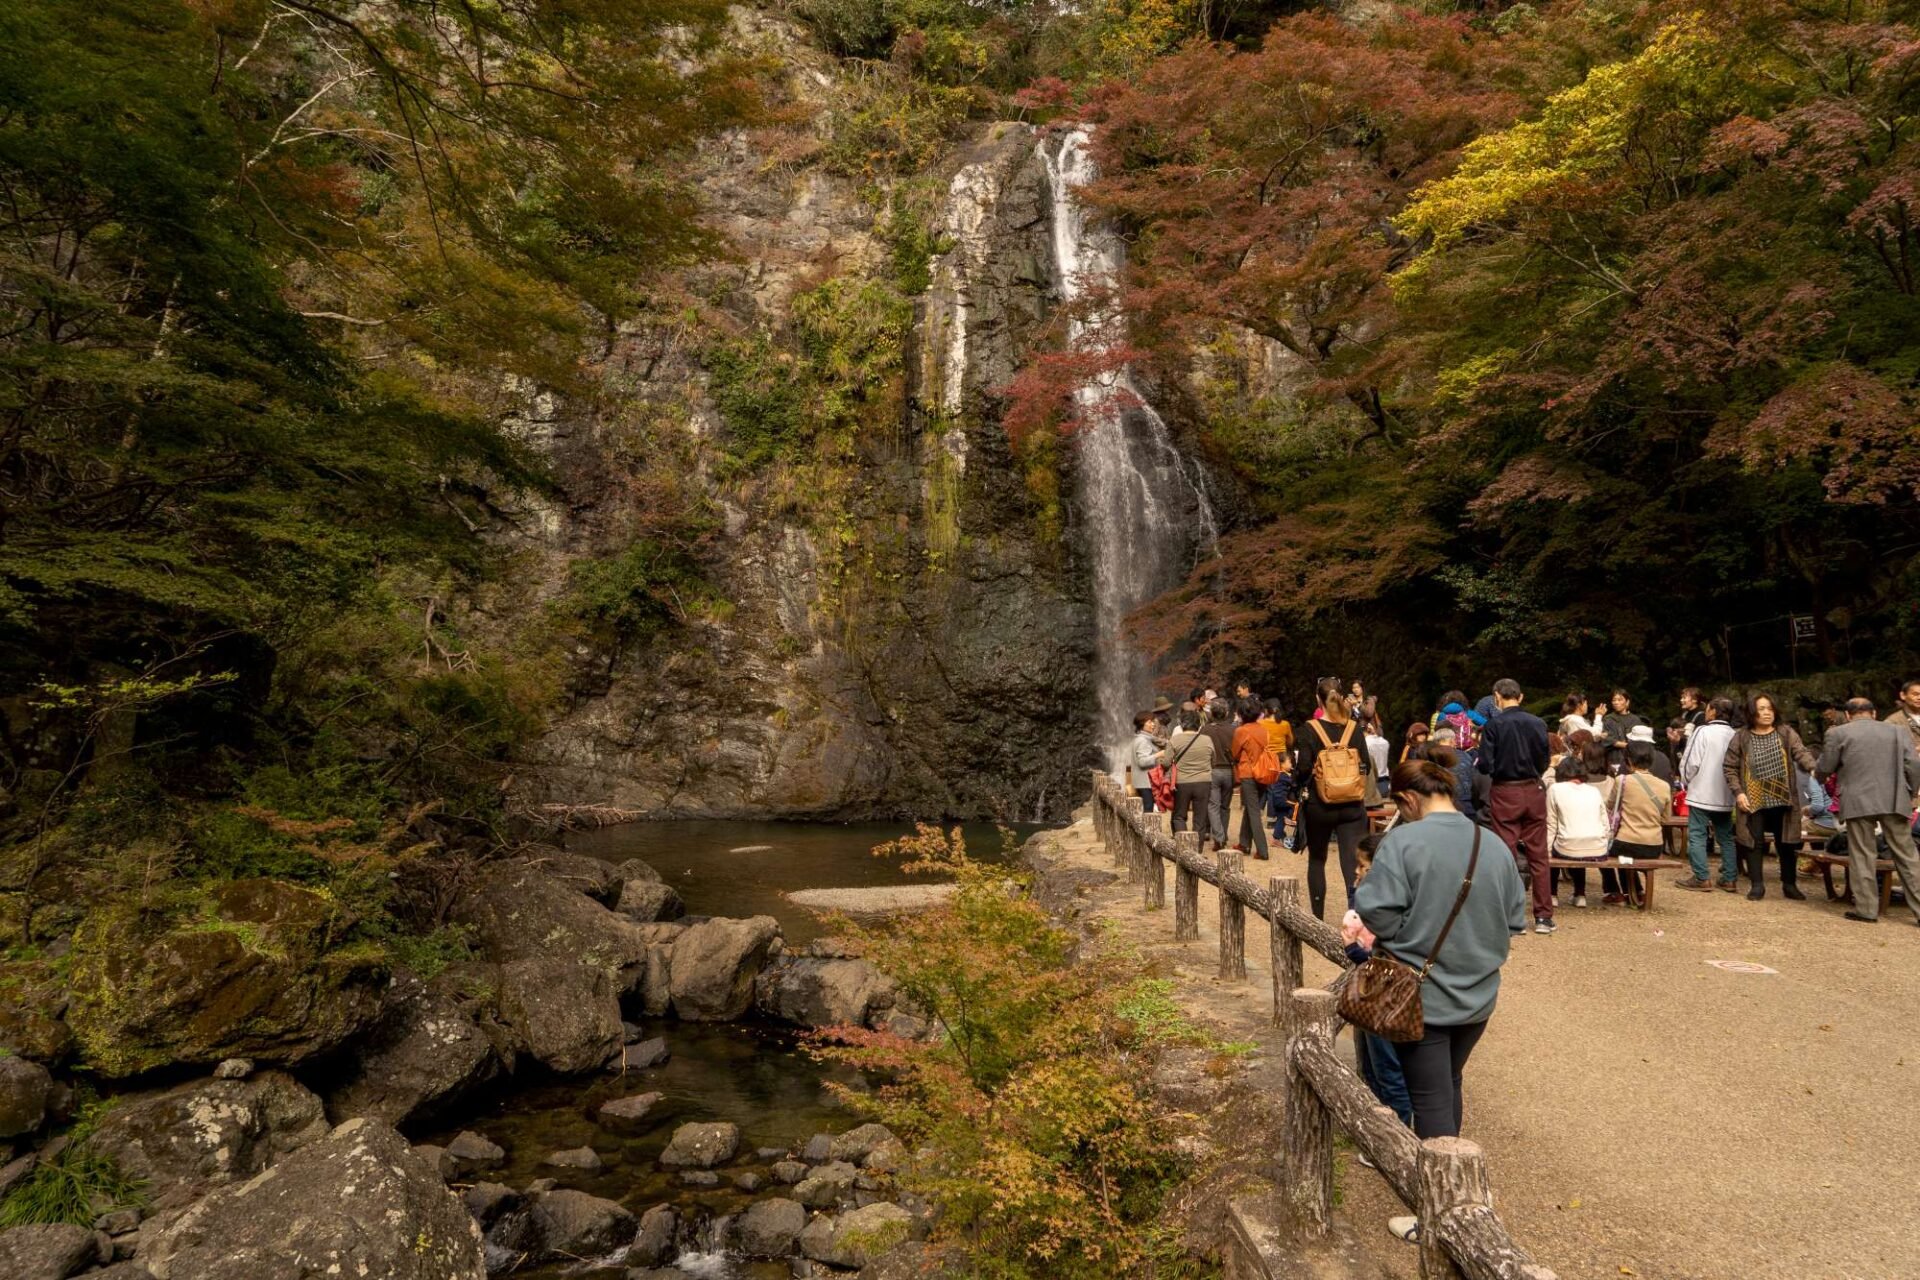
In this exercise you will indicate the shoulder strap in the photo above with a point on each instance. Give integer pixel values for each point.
(1346, 734)
(1641, 778)
(1320, 732)
(1473, 861)
(1197, 735)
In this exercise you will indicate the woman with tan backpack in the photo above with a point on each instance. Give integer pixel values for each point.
(1332, 775)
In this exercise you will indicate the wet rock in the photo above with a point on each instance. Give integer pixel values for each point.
(573, 1224)
(770, 1153)
(788, 1171)
(770, 1228)
(565, 1015)
(540, 1186)
(699, 1178)
(627, 1115)
(653, 1243)
(811, 991)
(234, 1069)
(750, 1181)
(648, 901)
(473, 1151)
(357, 1203)
(637, 871)
(448, 1167)
(885, 1157)
(256, 977)
(856, 1238)
(185, 1141)
(827, 1185)
(819, 1148)
(519, 911)
(857, 1144)
(701, 1146)
(424, 1054)
(713, 965)
(487, 1201)
(24, 1087)
(643, 1055)
(49, 1252)
(575, 1158)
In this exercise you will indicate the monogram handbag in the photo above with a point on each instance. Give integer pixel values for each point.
(1383, 995)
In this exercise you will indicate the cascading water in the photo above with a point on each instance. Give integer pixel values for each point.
(1145, 504)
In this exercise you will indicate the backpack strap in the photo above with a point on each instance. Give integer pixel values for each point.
(1320, 732)
(1473, 861)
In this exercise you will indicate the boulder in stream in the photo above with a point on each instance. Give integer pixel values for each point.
(519, 910)
(358, 1202)
(585, 1158)
(644, 1055)
(564, 1014)
(648, 901)
(702, 1146)
(856, 1238)
(654, 1240)
(817, 991)
(770, 1228)
(629, 1114)
(598, 879)
(828, 1185)
(857, 1144)
(423, 1054)
(572, 1224)
(473, 1151)
(713, 965)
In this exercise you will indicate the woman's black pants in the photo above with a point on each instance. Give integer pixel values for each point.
(1346, 823)
(1190, 805)
(1433, 1065)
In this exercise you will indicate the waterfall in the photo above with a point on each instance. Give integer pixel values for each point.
(1145, 504)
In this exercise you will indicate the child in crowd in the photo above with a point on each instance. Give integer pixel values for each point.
(1378, 1060)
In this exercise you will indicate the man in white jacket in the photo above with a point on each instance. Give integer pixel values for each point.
(1709, 805)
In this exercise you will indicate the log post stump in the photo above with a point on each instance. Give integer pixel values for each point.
(1131, 814)
(1233, 920)
(1452, 1174)
(1186, 891)
(1288, 962)
(1306, 1152)
(1155, 896)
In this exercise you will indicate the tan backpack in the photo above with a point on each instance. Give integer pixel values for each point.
(1337, 774)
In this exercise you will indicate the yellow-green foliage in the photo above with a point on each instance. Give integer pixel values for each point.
(1050, 1158)
(1583, 136)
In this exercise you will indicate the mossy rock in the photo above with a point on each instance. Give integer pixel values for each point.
(33, 998)
(247, 972)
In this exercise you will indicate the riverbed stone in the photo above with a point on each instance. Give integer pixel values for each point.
(358, 1202)
(814, 991)
(572, 1224)
(788, 1171)
(585, 1158)
(644, 1055)
(646, 901)
(653, 1242)
(50, 1251)
(699, 1178)
(597, 878)
(24, 1087)
(564, 1014)
(475, 1151)
(827, 1185)
(185, 1141)
(857, 1144)
(252, 973)
(770, 1228)
(702, 1146)
(713, 966)
(487, 1201)
(423, 1055)
(750, 1180)
(629, 1114)
(855, 1238)
(819, 1149)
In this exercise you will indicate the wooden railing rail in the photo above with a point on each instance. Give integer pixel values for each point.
(1443, 1180)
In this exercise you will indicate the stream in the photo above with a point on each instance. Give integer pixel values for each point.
(753, 1073)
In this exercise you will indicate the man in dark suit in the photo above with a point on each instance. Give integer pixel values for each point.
(1879, 786)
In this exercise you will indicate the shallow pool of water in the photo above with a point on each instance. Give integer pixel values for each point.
(747, 868)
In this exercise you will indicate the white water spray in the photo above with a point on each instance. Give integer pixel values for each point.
(1146, 505)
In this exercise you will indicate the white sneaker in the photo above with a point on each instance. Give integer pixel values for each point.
(1579, 899)
(1361, 1156)
(1405, 1227)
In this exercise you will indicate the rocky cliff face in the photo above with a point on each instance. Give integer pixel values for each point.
(910, 642)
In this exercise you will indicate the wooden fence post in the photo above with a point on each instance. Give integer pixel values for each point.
(1186, 891)
(1233, 920)
(1288, 969)
(1156, 866)
(1306, 1151)
(1452, 1174)
(1131, 812)
(1100, 806)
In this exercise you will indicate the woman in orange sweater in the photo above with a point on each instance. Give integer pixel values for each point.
(1249, 760)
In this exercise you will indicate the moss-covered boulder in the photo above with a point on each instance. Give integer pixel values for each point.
(33, 1005)
(248, 970)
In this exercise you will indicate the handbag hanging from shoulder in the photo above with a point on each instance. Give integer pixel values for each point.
(1383, 995)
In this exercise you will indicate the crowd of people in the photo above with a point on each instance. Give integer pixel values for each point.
(1480, 799)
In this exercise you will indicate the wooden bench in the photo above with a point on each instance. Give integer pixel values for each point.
(1883, 869)
(1636, 876)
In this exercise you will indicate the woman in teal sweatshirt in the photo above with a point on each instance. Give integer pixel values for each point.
(1405, 900)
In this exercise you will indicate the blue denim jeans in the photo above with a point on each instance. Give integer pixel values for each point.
(1380, 1068)
(1720, 822)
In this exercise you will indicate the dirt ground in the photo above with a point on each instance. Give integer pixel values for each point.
(1644, 1112)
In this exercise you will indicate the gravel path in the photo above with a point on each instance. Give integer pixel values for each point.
(1646, 1113)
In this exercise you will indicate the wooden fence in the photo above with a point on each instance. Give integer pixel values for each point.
(1442, 1180)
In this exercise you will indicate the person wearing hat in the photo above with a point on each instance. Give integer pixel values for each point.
(1660, 764)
